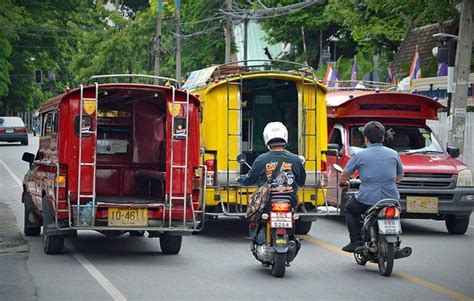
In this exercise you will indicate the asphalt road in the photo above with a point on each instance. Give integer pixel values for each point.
(217, 264)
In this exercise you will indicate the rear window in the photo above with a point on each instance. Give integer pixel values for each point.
(11, 121)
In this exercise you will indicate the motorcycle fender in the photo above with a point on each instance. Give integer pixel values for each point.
(280, 242)
(391, 238)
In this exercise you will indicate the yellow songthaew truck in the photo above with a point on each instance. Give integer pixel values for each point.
(238, 100)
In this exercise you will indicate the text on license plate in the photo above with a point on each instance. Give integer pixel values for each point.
(389, 226)
(281, 220)
(128, 217)
(422, 204)
(9, 130)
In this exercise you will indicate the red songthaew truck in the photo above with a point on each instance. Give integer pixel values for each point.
(116, 158)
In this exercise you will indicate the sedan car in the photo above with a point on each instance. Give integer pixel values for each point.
(12, 129)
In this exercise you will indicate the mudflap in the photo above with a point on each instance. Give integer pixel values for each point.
(51, 228)
(280, 241)
(391, 238)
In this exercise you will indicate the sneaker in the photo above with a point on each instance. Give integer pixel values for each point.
(352, 246)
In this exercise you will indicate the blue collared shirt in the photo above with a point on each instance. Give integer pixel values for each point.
(378, 169)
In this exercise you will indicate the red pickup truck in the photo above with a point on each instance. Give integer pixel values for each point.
(436, 185)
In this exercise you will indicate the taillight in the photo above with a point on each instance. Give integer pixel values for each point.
(324, 174)
(389, 212)
(281, 207)
(211, 172)
(21, 130)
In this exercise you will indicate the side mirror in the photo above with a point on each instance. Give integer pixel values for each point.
(241, 158)
(337, 167)
(28, 157)
(333, 149)
(453, 151)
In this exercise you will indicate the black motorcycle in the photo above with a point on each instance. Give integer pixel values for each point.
(271, 231)
(380, 232)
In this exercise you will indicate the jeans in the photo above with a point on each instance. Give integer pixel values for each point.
(353, 211)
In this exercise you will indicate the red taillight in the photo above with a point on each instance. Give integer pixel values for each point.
(280, 232)
(211, 172)
(324, 174)
(21, 130)
(391, 212)
(281, 207)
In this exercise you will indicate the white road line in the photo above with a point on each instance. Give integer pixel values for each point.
(104, 282)
(15, 178)
(98, 276)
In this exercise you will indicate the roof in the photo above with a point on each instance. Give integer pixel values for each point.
(423, 37)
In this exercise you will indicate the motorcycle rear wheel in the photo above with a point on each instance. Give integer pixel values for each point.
(360, 258)
(385, 261)
(279, 265)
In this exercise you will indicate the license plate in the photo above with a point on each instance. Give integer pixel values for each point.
(9, 130)
(389, 226)
(422, 204)
(281, 220)
(130, 217)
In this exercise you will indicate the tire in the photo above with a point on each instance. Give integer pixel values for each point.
(52, 244)
(279, 265)
(456, 225)
(302, 227)
(170, 244)
(360, 258)
(24, 141)
(29, 228)
(136, 233)
(386, 260)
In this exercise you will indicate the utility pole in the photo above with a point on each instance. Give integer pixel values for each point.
(463, 62)
(228, 32)
(178, 41)
(157, 45)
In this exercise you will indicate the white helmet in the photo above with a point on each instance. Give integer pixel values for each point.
(275, 131)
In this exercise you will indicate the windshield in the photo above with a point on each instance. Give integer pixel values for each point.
(403, 139)
(11, 122)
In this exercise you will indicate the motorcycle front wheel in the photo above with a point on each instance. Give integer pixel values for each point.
(386, 257)
(279, 264)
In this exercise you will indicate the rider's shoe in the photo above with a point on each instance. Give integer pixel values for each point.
(352, 246)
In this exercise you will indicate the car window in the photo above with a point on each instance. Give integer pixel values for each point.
(411, 139)
(49, 123)
(11, 122)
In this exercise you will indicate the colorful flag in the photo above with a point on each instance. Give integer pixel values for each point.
(354, 74)
(331, 77)
(442, 69)
(391, 76)
(415, 69)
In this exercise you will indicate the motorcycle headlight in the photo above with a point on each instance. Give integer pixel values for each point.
(464, 178)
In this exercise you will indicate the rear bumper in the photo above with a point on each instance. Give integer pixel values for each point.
(13, 137)
(459, 201)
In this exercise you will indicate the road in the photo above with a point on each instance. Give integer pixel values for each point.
(217, 264)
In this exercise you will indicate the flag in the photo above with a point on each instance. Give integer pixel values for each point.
(415, 69)
(442, 69)
(391, 77)
(331, 77)
(354, 74)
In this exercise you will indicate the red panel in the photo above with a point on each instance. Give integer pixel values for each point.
(108, 182)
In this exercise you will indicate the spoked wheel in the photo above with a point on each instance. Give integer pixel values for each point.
(279, 265)
(360, 258)
(386, 257)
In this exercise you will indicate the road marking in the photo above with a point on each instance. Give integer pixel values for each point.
(15, 178)
(104, 282)
(442, 290)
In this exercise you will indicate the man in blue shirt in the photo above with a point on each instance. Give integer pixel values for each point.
(380, 168)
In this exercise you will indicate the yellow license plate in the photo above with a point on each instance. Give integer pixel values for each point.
(129, 217)
(422, 204)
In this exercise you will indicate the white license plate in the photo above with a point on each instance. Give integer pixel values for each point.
(389, 226)
(9, 131)
(281, 220)
(422, 204)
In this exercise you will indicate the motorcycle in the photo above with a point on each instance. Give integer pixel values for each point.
(272, 232)
(381, 229)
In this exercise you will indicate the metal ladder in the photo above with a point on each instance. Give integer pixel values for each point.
(82, 164)
(173, 165)
(237, 135)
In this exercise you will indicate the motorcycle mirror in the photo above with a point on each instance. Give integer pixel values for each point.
(303, 159)
(241, 158)
(337, 167)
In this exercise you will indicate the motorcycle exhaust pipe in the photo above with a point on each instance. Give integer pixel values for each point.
(402, 253)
